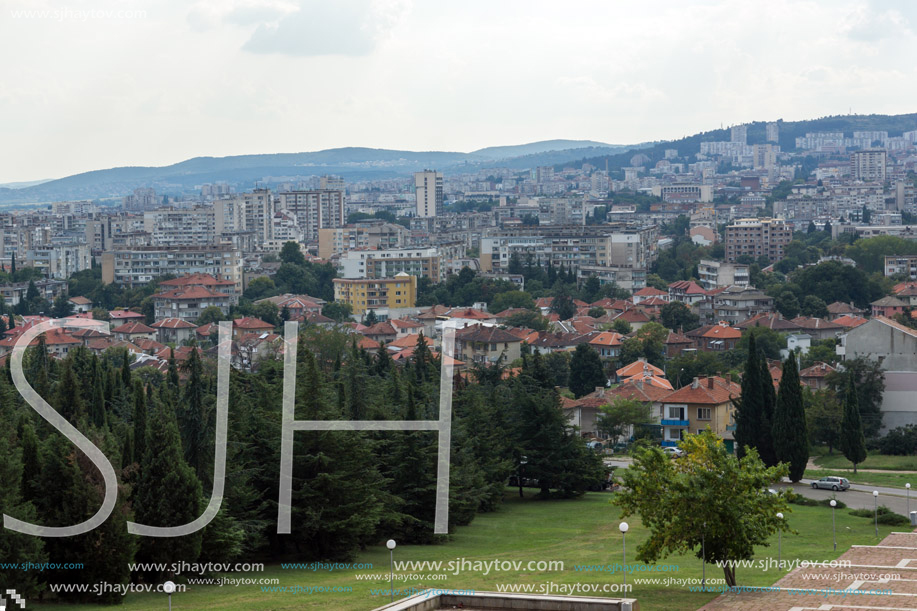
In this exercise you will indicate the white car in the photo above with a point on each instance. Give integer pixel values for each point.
(674, 452)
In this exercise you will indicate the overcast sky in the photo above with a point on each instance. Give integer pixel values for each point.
(166, 80)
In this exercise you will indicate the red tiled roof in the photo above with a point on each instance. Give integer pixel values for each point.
(638, 367)
(251, 323)
(173, 323)
(722, 331)
(649, 291)
(721, 392)
(146, 344)
(818, 370)
(480, 333)
(606, 338)
(815, 324)
(79, 300)
(850, 322)
(124, 314)
(130, 328)
(470, 314)
(191, 292)
(771, 320)
(633, 315)
(198, 279)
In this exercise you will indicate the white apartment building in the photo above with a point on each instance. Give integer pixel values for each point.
(171, 227)
(868, 165)
(428, 189)
(714, 274)
(420, 262)
(139, 265)
(314, 210)
(59, 261)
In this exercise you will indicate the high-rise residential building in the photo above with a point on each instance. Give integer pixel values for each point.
(246, 212)
(868, 165)
(765, 156)
(314, 210)
(428, 188)
(376, 293)
(333, 183)
(715, 274)
(363, 235)
(170, 227)
(139, 265)
(772, 132)
(420, 262)
(739, 133)
(59, 261)
(757, 237)
(141, 199)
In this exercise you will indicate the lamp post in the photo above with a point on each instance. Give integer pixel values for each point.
(523, 461)
(623, 528)
(703, 557)
(779, 540)
(169, 587)
(390, 544)
(907, 487)
(834, 523)
(875, 498)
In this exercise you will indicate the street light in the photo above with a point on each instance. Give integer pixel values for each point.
(523, 461)
(834, 523)
(703, 557)
(169, 587)
(908, 488)
(390, 544)
(623, 528)
(875, 498)
(779, 540)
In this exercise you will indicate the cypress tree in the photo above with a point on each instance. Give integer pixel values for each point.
(13, 266)
(852, 440)
(126, 372)
(169, 493)
(749, 413)
(768, 404)
(586, 371)
(193, 420)
(69, 402)
(140, 423)
(31, 464)
(172, 376)
(791, 442)
(97, 404)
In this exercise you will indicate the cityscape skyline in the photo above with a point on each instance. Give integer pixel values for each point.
(497, 74)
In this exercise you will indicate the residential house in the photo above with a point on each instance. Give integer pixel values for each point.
(244, 326)
(480, 344)
(676, 343)
(719, 338)
(207, 281)
(650, 292)
(705, 403)
(687, 292)
(814, 376)
(818, 328)
(188, 303)
(132, 331)
(80, 304)
(635, 317)
(173, 330)
(850, 321)
(771, 320)
(888, 307)
(296, 305)
(838, 309)
(607, 344)
(735, 304)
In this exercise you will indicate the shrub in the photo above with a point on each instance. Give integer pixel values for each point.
(885, 516)
(900, 441)
(798, 499)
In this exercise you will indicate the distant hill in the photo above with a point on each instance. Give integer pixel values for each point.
(354, 163)
(895, 125)
(544, 146)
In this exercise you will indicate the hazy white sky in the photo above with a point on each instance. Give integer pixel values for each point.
(95, 84)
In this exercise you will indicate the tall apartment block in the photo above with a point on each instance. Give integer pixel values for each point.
(314, 210)
(139, 265)
(757, 237)
(772, 132)
(868, 165)
(428, 187)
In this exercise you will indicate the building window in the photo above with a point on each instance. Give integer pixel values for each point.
(703, 413)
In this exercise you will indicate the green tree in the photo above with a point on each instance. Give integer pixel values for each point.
(787, 304)
(791, 442)
(586, 371)
(869, 383)
(563, 306)
(139, 422)
(338, 311)
(823, 415)
(168, 494)
(62, 307)
(17, 547)
(716, 504)
(259, 288)
(211, 314)
(623, 415)
(527, 320)
(852, 441)
(676, 315)
(369, 318)
(291, 253)
(511, 299)
(69, 401)
(814, 307)
(753, 427)
(621, 326)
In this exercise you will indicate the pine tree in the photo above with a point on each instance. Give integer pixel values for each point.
(139, 422)
(852, 440)
(172, 376)
(791, 442)
(753, 428)
(31, 464)
(13, 266)
(169, 493)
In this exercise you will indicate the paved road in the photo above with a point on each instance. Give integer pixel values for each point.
(858, 498)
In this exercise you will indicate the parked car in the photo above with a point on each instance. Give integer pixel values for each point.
(832, 483)
(674, 452)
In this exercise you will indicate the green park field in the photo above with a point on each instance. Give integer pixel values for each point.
(578, 532)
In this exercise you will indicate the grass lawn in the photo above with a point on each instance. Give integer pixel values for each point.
(582, 531)
(873, 461)
(891, 479)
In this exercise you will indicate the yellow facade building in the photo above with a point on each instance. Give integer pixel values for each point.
(365, 294)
